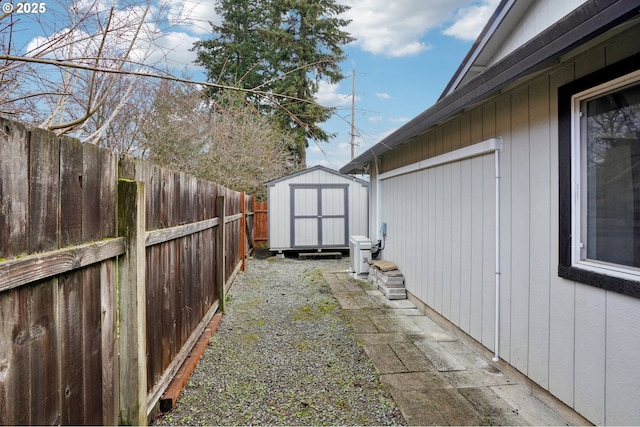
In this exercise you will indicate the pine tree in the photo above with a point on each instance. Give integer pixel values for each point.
(285, 48)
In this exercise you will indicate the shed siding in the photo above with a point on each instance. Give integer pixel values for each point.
(577, 341)
(279, 203)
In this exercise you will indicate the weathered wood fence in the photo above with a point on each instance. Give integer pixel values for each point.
(261, 223)
(110, 269)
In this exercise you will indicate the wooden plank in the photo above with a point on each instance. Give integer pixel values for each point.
(31, 268)
(44, 180)
(155, 271)
(132, 311)
(155, 237)
(71, 349)
(90, 192)
(243, 225)
(108, 178)
(172, 392)
(15, 369)
(43, 340)
(14, 189)
(92, 345)
(71, 194)
(220, 251)
(109, 347)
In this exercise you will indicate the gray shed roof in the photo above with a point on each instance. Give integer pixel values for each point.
(315, 168)
(580, 26)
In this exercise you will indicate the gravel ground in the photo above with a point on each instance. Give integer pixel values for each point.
(284, 354)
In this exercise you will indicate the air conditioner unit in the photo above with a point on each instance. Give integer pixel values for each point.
(360, 254)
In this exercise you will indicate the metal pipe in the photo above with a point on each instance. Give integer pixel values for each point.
(496, 356)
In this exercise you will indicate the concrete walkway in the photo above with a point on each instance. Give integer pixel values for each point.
(434, 377)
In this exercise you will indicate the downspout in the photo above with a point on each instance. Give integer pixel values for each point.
(496, 356)
(378, 203)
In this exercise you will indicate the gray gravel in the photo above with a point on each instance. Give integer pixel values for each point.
(284, 354)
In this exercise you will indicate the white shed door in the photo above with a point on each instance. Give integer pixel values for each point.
(319, 215)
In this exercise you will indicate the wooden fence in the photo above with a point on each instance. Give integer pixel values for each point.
(261, 223)
(110, 269)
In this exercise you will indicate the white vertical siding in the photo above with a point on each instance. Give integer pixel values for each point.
(423, 211)
(540, 219)
(279, 198)
(621, 360)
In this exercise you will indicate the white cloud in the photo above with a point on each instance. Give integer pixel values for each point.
(174, 50)
(328, 95)
(383, 95)
(151, 45)
(194, 15)
(375, 119)
(399, 119)
(394, 28)
(471, 20)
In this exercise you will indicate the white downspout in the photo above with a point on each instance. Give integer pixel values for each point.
(378, 203)
(496, 356)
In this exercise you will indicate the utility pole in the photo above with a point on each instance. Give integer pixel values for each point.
(353, 110)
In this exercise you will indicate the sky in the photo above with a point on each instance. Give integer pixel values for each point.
(404, 55)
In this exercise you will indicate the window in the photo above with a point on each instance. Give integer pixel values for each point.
(600, 179)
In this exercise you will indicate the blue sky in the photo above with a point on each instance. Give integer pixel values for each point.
(405, 53)
(404, 57)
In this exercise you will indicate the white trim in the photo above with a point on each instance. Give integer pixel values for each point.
(484, 147)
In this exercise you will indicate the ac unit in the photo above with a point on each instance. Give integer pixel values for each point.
(360, 254)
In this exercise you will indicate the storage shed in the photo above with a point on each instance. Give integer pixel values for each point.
(317, 208)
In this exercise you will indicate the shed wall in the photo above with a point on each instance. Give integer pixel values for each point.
(279, 202)
(577, 341)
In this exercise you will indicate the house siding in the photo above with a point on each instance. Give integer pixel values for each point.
(577, 341)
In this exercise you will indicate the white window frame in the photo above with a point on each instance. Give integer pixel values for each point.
(578, 176)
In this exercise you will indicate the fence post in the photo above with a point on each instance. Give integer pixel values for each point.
(220, 251)
(243, 230)
(131, 300)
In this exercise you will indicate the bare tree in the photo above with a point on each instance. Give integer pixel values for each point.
(233, 145)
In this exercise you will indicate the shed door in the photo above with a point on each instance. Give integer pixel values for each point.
(319, 216)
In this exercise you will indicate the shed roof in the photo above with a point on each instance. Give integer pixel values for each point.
(585, 23)
(315, 168)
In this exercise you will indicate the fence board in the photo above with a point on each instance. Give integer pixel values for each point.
(71, 193)
(14, 189)
(31, 268)
(14, 393)
(71, 349)
(108, 343)
(261, 225)
(44, 180)
(90, 192)
(45, 397)
(92, 340)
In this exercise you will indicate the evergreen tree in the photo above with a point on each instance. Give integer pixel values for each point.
(284, 47)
